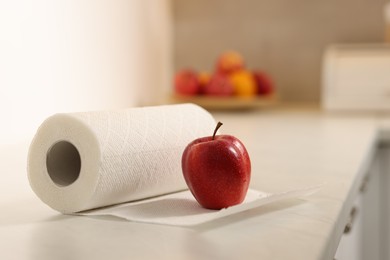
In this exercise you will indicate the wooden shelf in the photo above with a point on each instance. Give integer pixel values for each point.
(227, 103)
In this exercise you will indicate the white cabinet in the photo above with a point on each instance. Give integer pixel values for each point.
(368, 238)
(356, 77)
(385, 201)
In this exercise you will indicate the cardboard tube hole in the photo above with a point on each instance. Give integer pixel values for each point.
(63, 163)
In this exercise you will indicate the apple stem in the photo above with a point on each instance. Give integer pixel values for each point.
(216, 129)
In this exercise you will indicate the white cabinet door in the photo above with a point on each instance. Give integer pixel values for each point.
(350, 243)
(356, 77)
(384, 156)
(365, 239)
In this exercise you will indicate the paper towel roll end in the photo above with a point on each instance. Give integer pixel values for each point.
(63, 163)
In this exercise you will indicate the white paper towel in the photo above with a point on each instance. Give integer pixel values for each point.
(181, 208)
(82, 161)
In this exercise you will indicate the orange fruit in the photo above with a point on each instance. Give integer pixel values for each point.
(204, 78)
(244, 84)
(229, 62)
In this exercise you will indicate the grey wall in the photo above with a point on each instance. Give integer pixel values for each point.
(284, 37)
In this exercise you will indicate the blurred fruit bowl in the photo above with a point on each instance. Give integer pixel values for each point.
(230, 86)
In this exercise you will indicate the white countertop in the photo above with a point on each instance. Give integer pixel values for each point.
(289, 148)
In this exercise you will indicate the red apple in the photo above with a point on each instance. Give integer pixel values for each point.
(264, 83)
(187, 83)
(229, 61)
(217, 170)
(219, 85)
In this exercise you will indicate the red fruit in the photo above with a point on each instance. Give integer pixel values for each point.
(264, 83)
(217, 170)
(229, 62)
(187, 83)
(219, 85)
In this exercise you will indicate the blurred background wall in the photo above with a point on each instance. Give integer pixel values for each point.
(79, 55)
(284, 38)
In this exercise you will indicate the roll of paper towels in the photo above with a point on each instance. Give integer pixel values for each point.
(82, 161)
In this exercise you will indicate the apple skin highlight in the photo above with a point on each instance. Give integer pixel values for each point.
(217, 170)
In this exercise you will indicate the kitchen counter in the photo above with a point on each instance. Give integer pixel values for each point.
(290, 147)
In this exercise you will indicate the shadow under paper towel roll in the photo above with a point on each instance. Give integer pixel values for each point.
(81, 161)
